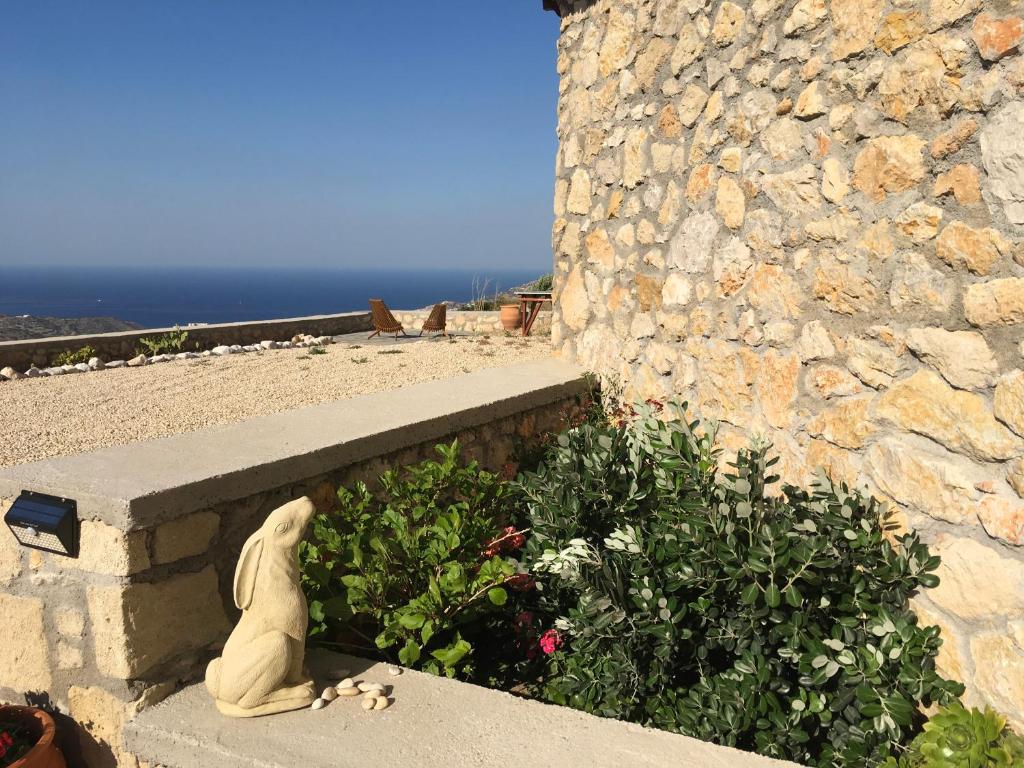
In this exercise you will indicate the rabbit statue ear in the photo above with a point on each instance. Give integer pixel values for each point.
(245, 572)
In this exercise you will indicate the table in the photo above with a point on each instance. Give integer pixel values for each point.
(530, 303)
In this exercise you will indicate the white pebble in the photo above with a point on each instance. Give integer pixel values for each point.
(365, 687)
(348, 691)
(348, 682)
(369, 704)
(329, 694)
(382, 703)
(319, 704)
(394, 671)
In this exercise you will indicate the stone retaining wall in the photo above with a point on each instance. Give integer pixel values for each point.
(470, 322)
(144, 606)
(125, 344)
(806, 218)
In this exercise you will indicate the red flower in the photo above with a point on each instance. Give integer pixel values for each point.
(550, 641)
(521, 582)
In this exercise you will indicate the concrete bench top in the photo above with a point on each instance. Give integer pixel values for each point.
(142, 484)
(433, 723)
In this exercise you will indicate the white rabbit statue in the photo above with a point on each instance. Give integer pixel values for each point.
(260, 671)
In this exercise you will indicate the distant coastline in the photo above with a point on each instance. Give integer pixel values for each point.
(17, 328)
(74, 300)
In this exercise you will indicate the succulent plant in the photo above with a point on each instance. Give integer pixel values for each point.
(957, 737)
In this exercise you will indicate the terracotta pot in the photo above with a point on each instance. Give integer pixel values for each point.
(45, 754)
(510, 317)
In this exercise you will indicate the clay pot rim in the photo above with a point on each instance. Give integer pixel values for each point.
(45, 720)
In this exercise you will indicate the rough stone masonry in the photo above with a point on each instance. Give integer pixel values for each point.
(806, 218)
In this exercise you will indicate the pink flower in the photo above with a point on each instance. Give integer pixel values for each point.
(550, 641)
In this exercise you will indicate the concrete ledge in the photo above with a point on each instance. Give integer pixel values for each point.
(433, 723)
(142, 484)
(122, 345)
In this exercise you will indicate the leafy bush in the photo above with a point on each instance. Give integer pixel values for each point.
(170, 343)
(959, 738)
(691, 600)
(544, 283)
(421, 571)
(69, 357)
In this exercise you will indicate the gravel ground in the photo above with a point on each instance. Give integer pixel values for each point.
(69, 414)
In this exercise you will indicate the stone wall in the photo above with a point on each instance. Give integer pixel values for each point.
(470, 322)
(145, 605)
(124, 345)
(806, 218)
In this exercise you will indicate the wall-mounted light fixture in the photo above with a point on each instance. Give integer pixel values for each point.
(45, 522)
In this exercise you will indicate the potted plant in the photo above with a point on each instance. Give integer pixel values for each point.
(511, 317)
(27, 739)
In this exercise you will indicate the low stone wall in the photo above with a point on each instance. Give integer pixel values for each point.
(124, 345)
(470, 322)
(148, 600)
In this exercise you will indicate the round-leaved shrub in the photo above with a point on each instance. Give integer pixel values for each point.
(695, 600)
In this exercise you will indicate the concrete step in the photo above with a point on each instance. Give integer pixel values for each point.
(433, 723)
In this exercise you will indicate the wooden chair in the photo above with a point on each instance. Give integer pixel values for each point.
(437, 322)
(383, 320)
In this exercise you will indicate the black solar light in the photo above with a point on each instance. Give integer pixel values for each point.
(45, 522)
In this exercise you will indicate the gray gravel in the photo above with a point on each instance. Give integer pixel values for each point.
(57, 416)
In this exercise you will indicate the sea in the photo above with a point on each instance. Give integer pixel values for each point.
(164, 297)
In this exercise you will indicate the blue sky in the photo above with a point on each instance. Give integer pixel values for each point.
(254, 133)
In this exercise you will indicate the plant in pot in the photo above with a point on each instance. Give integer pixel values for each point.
(27, 739)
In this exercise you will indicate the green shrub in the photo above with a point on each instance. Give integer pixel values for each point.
(544, 283)
(419, 572)
(170, 343)
(696, 602)
(68, 357)
(959, 738)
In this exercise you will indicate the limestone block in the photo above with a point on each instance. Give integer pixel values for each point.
(617, 46)
(730, 203)
(69, 656)
(10, 550)
(137, 626)
(572, 302)
(977, 250)
(843, 288)
(847, 424)
(783, 139)
(1009, 401)
(1015, 477)
(925, 479)
(961, 421)
(835, 183)
(777, 387)
(806, 15)
(1002, 154)
(24, 655)
(688, 49)
(918, 285)
(899, 29)
(1003, 518)
(953, 660)
(942, 13)
(102, 715)
(185, 537)
(976, 582)
(889, 164)
(690, 250)
(962, 181)
(854, 23)
(920, 222)
(728, 24)
(579, 193)
(999, 672)
(106, 549)
(815, 342)
(962, 357)
(731, 266)
(829, 381)
(952, 141)
(995, 303)
(794, 192)
(996, 37)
